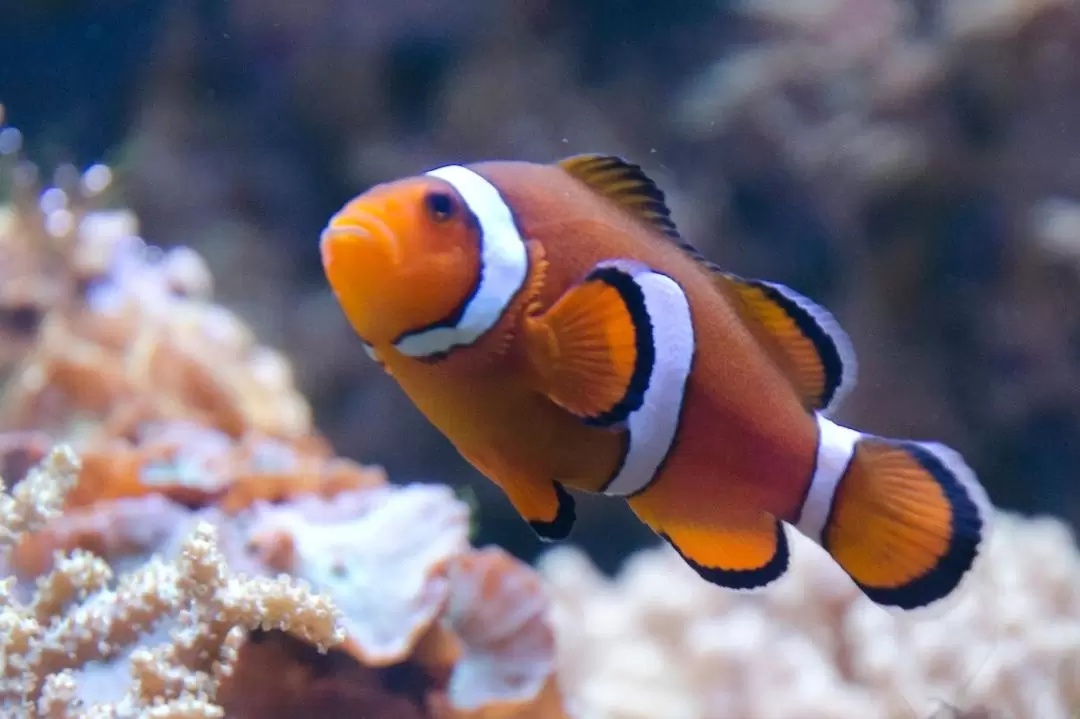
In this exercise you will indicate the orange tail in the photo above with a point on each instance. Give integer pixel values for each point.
(905, 519)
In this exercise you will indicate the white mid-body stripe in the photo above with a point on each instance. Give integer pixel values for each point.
(653, 426)
(504, 266)
(836, 446)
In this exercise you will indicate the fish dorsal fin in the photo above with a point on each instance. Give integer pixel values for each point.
(626, 184)
(803, 338)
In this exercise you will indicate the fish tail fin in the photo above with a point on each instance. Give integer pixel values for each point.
(905, 519)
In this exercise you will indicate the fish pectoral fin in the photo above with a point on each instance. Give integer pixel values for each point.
(625, 184)
(802, 337)
(746, 554)
(592, 351)
(547, 507)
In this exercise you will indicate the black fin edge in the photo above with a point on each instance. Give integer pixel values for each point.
(743, 579)
(649, 189)
(634, 299)
(658, 203)
(832, 361)
(560, 527)
(944, 577)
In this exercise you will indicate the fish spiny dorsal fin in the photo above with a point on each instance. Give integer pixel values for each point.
(803, 338)
(626, 184)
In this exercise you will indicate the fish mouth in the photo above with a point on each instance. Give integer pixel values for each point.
(363, 259)
(354, 235)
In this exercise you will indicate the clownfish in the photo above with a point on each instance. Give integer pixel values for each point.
(550, 320)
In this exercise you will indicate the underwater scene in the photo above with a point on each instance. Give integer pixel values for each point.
(539, 359)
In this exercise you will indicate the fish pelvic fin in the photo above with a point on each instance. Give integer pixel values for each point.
(548, 508)
(545, 504)
(905, 519)
(802, 338)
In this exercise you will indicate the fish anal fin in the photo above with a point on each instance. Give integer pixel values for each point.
(624, 183)
(906, 521)
(745, 555)
(591, 351)
(803, 338)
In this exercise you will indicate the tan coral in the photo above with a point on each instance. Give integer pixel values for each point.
(189, 464)
(129, 527)
(397, 561)
(499, 611)
(73, 617)
(103, 327)
(199, 465)
(419, 599)
(379, 553)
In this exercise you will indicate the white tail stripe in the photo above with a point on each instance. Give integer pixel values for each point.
(836, 447)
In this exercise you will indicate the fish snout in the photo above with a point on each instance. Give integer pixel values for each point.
(358, 244)
(363, 261)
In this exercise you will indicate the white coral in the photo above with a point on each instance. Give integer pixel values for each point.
(658, 641)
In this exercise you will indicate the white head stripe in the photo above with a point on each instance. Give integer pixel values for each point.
(653, 425)
(504, 265)
(836, 447)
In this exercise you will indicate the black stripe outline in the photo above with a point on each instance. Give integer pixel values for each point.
(450, 321)
(634, 299)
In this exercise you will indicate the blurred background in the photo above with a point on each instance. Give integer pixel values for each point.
(913, 166)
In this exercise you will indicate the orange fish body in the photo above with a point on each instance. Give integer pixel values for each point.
(550, 321)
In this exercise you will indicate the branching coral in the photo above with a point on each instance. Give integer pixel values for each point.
(433, 628)
(659, 642)
(475, 623)
(73, 617)
(117, 348)
(468, 629)
(196, 449)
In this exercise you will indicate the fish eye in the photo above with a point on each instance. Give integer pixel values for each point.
(440, 206)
